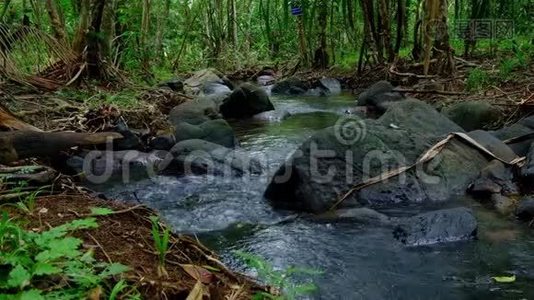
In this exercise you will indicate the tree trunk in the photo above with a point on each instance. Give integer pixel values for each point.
(232, 22)
(162, 24)
(302, 41)
(108, 28)
(94, 58)
(385, 28)
(57, 26)
(17, 145)
(321, 54)
(80, 37)
(145, 28)
(401, 17)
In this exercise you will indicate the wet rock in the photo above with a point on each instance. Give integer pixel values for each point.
(527, 172)
(271, 116)
(100, 166)
(215, 131)
(522, 128)
(202, 157)
(495, 178)
(207, 78)
(216, 88)
(493, 144)
(196, 111)
(291, 86)
(266, 80)
(326, 87)
(442, 226)
(162, 142)
(525, 210)
(130, 140)
(502, 204)
(245, 102)
(379, 96)
(199, 119)
(316, 174)
(473, 115)
(357, 215)
(175, 85)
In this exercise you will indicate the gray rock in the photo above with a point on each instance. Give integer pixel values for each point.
(495, 178)
(245, 102)
(215, 88)
(325, 87)
(266, 80)
(525, 211)
(362, 215)
(442, 226)
(202, 157)
(312, 179)
(130, 140)
(194, 84)
(493, 144)
(527, 172)
(290, 86)
(379, 96)
(162, 142)
(473, 115)
(520, 129)
(502, 204)
(99, 166)
(215, 131)
(196, 111)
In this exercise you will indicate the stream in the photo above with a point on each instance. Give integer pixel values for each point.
(359, 261)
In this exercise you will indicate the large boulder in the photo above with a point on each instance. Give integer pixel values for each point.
(525, 211)
(379, 96)
(100, 166)
(442, 226)
(200, 119)
(202, 157)
(524, 130)
(215, 131)
(196, 111)
(245, 102)
(337, 158)
(203, 79)
(527, 172)
(325, 87)
(291, 86)
(473, 115)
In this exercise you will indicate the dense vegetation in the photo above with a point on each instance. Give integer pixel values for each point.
(162, 37)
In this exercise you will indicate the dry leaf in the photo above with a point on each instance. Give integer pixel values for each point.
(199, 273)
(197, 292)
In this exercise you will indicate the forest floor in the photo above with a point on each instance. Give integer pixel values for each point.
(125, 235)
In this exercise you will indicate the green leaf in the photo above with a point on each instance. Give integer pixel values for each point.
(504, 279)
(101, 211)
(18, 277)
(42, 268)
(119, 287)
(114, 269)
(30, 295)
(66, 247)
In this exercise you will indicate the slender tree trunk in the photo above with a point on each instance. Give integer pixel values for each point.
(302, 41)
(145, 28)
(385, 29)
(108, 28)
(94, 59)
(80, 37)
(57, 26)
(321, 54)
(401, 17)
(232, 22)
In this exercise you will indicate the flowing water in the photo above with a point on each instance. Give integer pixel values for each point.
(358, 261)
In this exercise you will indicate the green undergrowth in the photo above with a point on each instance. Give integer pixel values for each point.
(52, 264)
(124, 99)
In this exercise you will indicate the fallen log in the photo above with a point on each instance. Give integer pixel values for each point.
(16, 145)
(8, 121)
